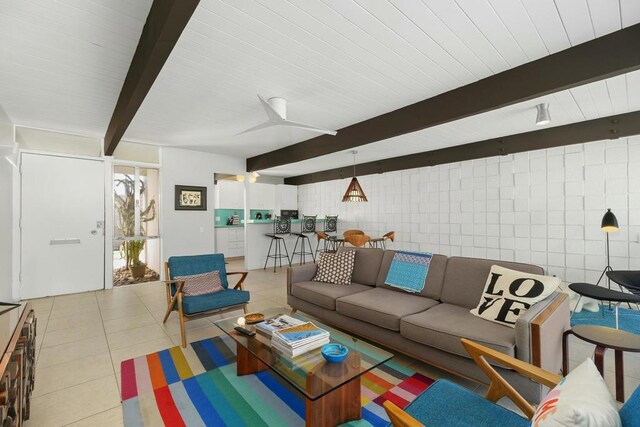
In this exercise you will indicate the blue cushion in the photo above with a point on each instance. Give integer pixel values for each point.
(198, 264)
(447, 404)
(630, 412)
(226, 298)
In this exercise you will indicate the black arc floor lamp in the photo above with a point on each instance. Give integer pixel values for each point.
(609, 225)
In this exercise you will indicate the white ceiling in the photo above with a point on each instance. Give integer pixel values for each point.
(63, 62)
(337, 62)
(616, 95)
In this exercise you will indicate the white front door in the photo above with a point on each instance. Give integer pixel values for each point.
(62, 220)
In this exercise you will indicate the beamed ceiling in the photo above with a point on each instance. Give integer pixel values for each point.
(63, 65)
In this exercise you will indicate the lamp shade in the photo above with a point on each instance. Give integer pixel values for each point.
(354, 192)
(609, 222)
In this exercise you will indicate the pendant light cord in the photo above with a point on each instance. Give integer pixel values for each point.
(354, 164)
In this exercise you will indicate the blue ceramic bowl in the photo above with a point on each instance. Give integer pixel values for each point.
(334, 353)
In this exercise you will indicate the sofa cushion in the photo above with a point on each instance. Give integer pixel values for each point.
(382, 307)
(335, 268)
(582, 399)
(201, 284)
(508, 294)
(225, 298)
(443, 326)
(465, 278)
(367, 264)
(325, 294)
(433, 284)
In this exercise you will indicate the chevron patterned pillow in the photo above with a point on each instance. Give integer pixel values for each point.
(335, 267)
(201, 284)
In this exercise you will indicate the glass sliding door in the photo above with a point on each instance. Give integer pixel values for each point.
(136, 249)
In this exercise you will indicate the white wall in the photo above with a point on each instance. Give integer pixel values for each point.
(542, 207)
(190, 232)
(6, 208)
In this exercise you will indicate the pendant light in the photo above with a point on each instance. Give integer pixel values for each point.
(354, 192)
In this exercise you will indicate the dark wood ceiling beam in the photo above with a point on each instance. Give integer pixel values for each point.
(165, 23)
(601, 58)
(611, 127)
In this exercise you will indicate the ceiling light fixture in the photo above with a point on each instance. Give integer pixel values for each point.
(253, 177)
(354, 192)
(543, 116)
(240, 178)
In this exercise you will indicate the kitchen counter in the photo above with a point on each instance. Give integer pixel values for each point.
(256, 251)
(270, 221)
(229, 226)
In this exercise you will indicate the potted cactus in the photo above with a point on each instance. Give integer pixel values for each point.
(125, 209)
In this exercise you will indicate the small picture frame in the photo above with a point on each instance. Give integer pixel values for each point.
(190, 198)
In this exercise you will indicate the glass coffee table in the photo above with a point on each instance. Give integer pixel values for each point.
(331, 390)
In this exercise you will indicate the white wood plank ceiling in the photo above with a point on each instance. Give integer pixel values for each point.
(63, 62)
(616, 95)
(337, 62)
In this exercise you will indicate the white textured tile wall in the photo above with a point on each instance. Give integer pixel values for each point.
(542, 207)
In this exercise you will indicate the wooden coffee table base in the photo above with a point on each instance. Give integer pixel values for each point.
(247, 363)
(336, 407)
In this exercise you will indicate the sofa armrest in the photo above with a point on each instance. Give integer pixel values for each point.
(302, 273)
(539, 332)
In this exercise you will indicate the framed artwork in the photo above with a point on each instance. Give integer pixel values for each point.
(190, 198)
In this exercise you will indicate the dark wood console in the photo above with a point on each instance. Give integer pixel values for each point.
(17, 364)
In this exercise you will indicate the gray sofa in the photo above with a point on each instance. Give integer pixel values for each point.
(428, 326)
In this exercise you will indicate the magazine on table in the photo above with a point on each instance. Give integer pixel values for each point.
(292, 352)
(276, 323)
(299, 335)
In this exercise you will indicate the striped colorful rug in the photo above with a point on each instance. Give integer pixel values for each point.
(198, 386)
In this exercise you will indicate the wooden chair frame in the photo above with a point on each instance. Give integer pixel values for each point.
(358, 240)
(177, 299)
(498, 386)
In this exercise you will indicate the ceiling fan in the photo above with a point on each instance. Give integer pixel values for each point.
(276, 109)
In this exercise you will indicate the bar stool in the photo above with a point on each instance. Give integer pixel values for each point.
(281, 226)
(331, 224)
(307, 226)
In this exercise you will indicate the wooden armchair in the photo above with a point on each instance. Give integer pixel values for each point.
(448, 404)
(196, 306)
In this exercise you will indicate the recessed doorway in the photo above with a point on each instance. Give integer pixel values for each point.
(136, 244)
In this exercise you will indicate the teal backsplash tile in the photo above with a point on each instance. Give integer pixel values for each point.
(254, 212)
(222, 215)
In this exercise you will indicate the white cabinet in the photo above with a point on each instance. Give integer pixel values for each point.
(229, 195)
(286, 197)
(236, 241)
(262, 196)
(230, 241)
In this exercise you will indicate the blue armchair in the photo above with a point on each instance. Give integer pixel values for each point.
(447, 404)
(189, 307)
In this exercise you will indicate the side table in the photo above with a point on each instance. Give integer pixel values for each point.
(603, 338)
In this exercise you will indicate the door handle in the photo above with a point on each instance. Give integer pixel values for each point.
(67, 241)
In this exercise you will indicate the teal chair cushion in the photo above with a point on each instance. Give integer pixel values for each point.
(447, 404)
(630, 412)
(208, 302)
(197, 264)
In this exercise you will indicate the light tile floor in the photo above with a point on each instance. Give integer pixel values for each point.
(82, 338)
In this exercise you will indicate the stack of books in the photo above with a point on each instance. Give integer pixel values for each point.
(276, 323)
(296, 340)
